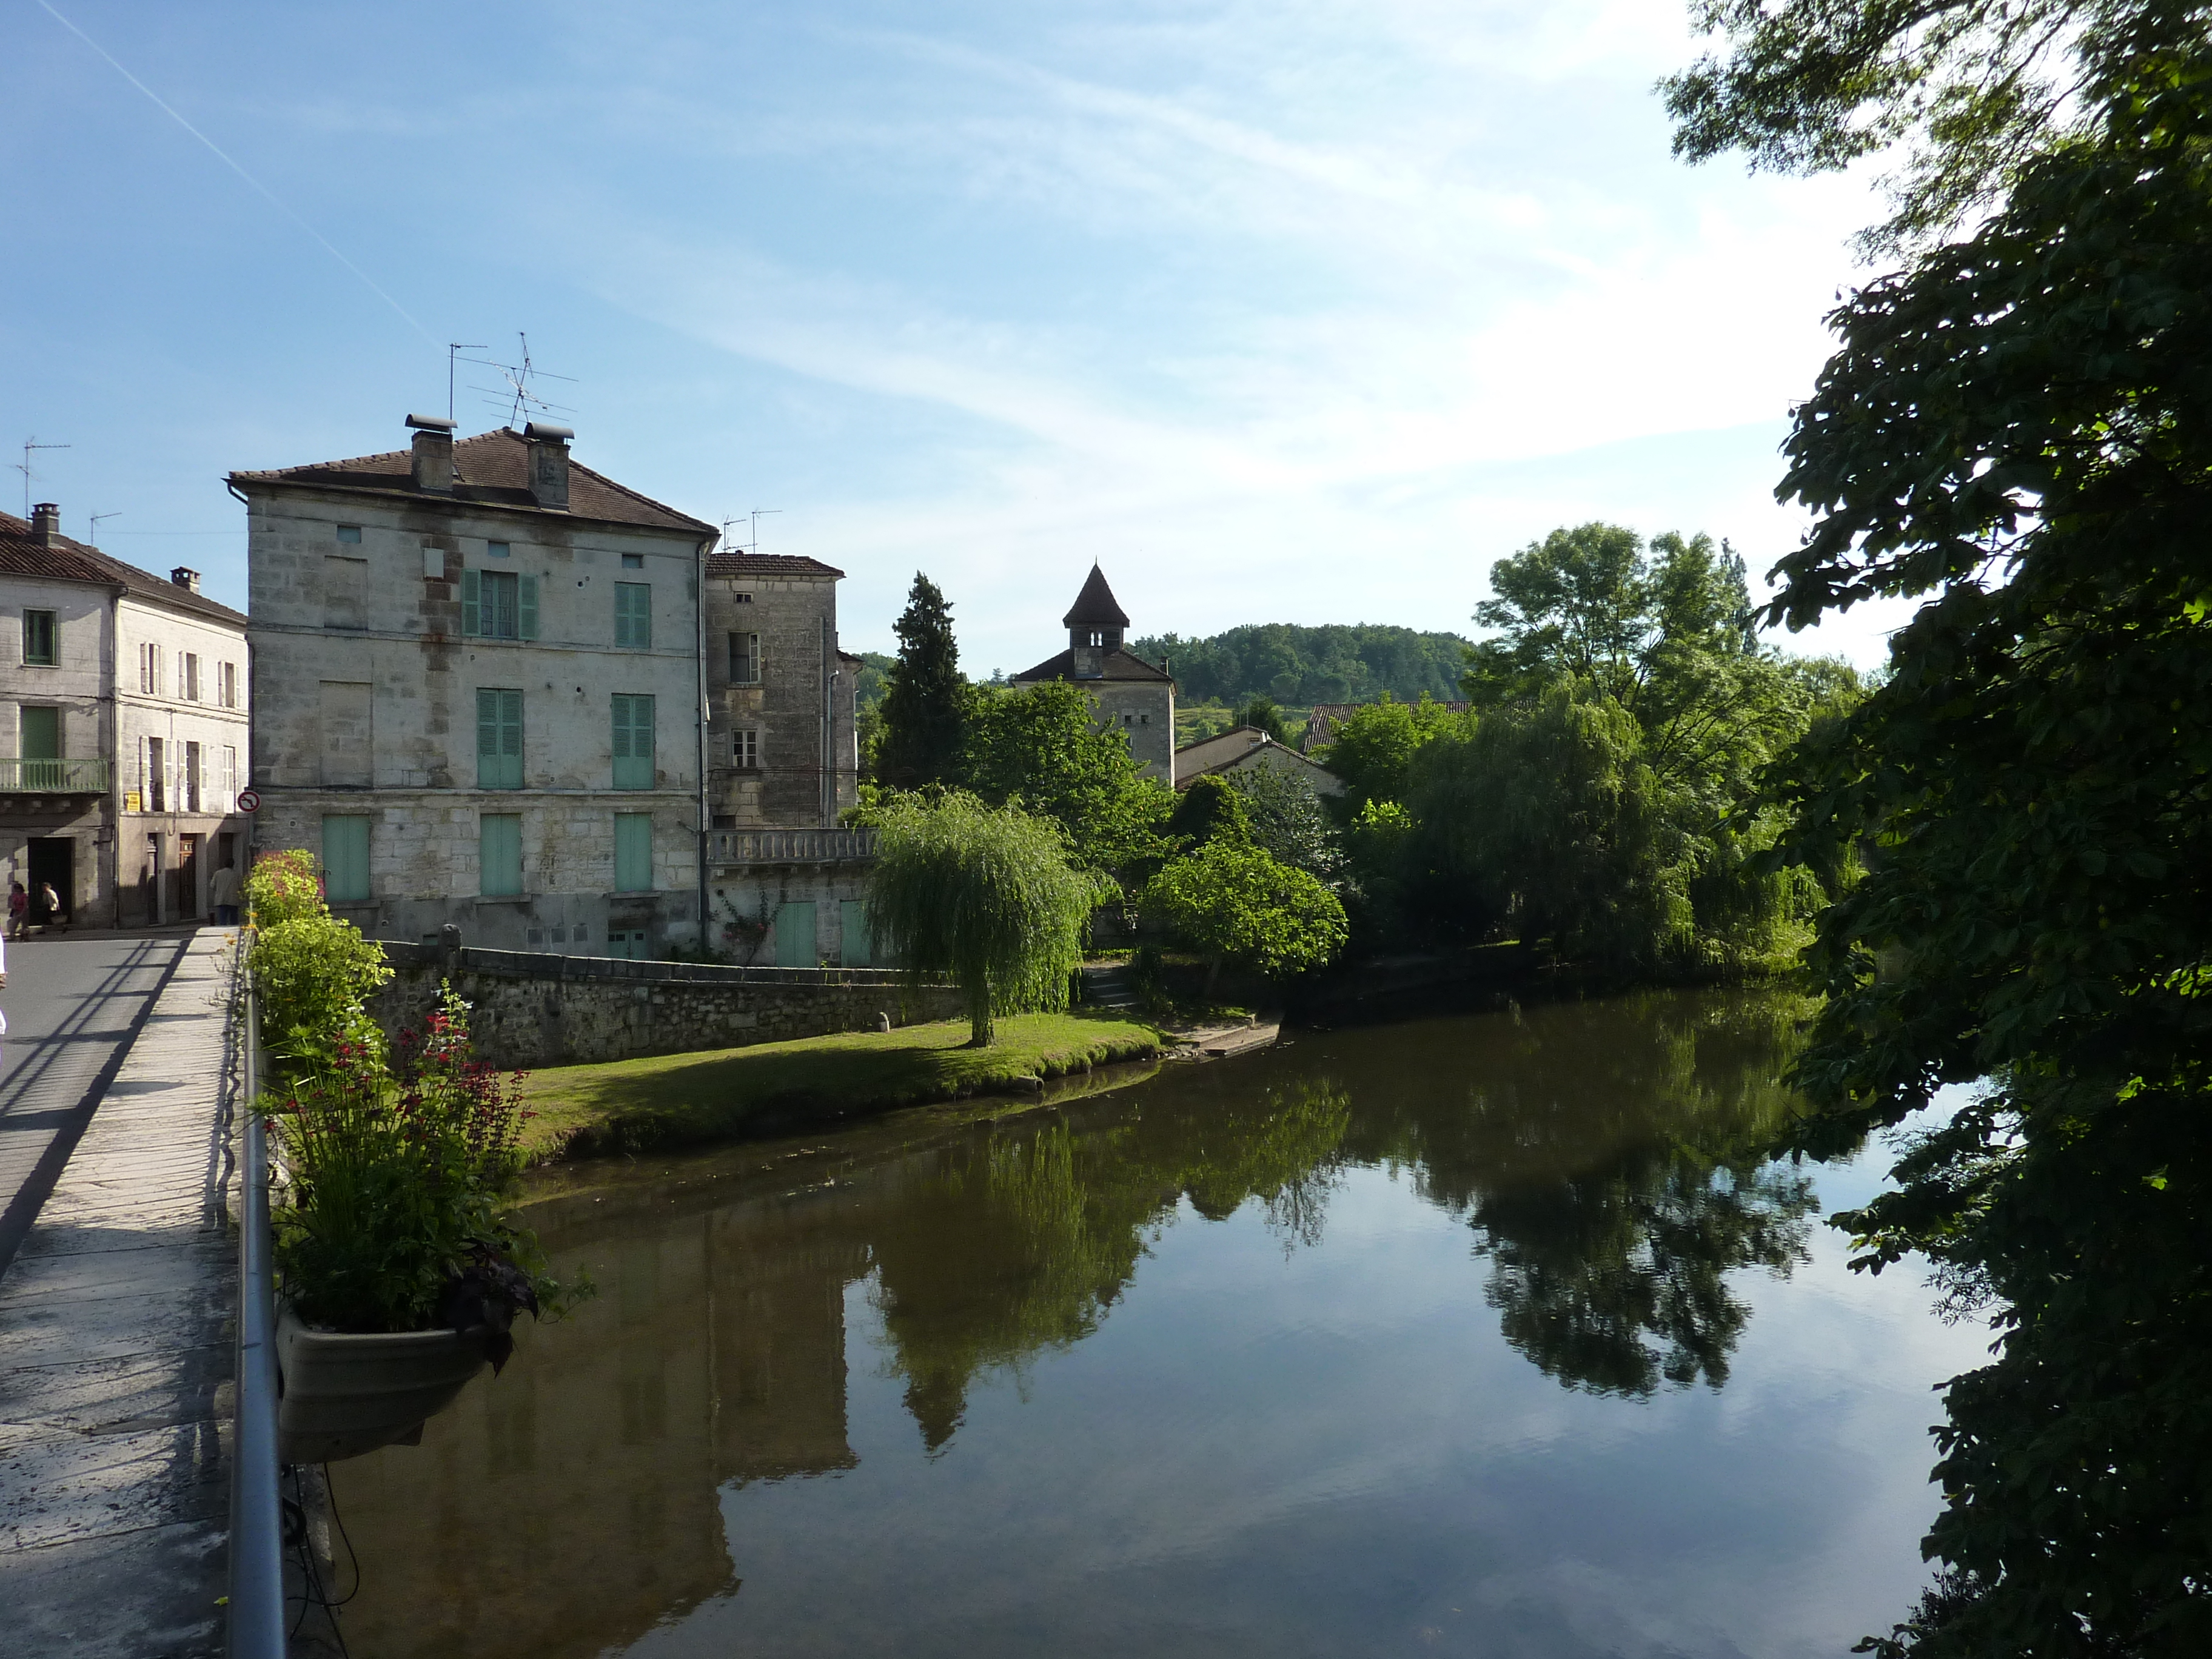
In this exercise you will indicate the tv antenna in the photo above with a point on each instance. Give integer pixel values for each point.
(756, 515)
(23, 467)
(517, 396)
(455, 347)
(92, 539)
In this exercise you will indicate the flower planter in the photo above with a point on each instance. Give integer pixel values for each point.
(345, 1393)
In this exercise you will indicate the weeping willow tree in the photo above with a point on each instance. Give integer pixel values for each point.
(986, 896)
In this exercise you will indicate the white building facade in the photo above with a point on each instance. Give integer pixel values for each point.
(482, 697)
(123, 732)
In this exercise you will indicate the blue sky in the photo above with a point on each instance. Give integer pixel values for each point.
(1303, 312)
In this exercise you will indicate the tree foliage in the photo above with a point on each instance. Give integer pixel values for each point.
(1973, 89)
(986, 896)
(1373, 751)
(923, 714)
(1209, 809)
(1285, 817)
(2017, 430)
(1285, 664)
(1041, 748)
(1232, 902)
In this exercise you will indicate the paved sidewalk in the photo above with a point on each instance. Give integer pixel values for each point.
(116, 1355)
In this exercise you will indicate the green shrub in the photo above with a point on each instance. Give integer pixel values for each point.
(312, 973)
(1236, 903)
(282, 887)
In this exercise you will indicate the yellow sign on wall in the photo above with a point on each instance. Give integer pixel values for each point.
(132, 800)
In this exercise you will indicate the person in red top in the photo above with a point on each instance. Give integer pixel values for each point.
(19, 909)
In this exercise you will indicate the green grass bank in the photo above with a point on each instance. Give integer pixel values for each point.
(669, 1101)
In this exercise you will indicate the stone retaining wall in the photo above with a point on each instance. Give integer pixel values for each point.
(533, 1009)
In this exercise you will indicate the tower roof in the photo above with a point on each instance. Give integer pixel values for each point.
(1095, 603)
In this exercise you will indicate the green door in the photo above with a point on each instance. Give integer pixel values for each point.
(42, 733)
(794, 936)
(857, 944)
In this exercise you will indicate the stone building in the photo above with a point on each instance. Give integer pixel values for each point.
(1243, 748)
(479, 691)
(785, 884)
(122, 730)
(1130, 695)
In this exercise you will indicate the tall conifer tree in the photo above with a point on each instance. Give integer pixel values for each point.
(925, 709)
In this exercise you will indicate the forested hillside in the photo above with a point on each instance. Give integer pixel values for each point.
(1353, 663)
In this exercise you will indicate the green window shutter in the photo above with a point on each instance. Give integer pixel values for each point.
(42, 733)
(499, 739)
(529, 628)
(345, 858)
(794, 935)
(633, 742)
(634, 614)
(856, 946)
(471, 602)
(632, 852)
(499, 854)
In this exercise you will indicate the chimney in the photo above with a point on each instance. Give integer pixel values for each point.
(186, 579)
(433, 454)
(549, 463)
(46, 523)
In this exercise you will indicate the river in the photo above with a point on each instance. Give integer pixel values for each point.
(1489, 1334)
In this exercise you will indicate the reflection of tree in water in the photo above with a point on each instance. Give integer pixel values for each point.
(1019, 1244)
(1612, 1159)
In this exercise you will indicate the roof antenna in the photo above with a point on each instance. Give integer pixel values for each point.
(453, 349)
(516, 396)
(758, 513)
(23, 467)
(93, 539)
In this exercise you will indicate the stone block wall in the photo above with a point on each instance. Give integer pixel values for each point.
(532, 1009)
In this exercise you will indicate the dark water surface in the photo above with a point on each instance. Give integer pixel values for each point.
(1491, 1334)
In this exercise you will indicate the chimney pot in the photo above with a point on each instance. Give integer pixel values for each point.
(433, 454)
(46, 523)
(186, 578)
(549, 463)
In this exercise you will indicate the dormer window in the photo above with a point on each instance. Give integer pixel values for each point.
(1097, 638)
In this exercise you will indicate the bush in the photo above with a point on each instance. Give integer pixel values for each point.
(1236, 903)
(283, 887)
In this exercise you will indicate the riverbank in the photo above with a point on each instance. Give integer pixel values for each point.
(669, 1101)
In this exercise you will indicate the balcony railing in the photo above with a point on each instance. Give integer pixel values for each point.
(53, 777)
(789, 846)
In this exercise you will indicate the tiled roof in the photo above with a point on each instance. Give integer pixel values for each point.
(1118, 666)
(767, 567)
(489, 469)
(22, 554)
(1211, 757)
(1095, 603)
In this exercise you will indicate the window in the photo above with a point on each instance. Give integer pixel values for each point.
(744, 659)
(634, 614)
(499, 739)
(229, 779)
(1098, 636)
(628, 944)
(350, 534)
(42, 733)
(743, 599)
(633, 560)
(499, 854)
(632, 852)
(150, 670)
(190, 673)
(41, 640)
(226, 684)
(497, 550)
(153, 775)
(345, 857)
(188, 786)
(745, 750)
(499, 605)
(633, 742)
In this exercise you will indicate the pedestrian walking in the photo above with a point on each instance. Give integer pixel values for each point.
(50, 902)
(222, 893)
(19, 909)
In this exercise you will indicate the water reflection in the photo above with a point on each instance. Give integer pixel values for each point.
(1603, 1159)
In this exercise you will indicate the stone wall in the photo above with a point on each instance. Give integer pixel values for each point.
(532, 1009)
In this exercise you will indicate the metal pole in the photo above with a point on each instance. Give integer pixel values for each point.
(256, 1538)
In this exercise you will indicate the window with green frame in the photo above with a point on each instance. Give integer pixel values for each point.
(345, 857)
(499, 605)
(632, 852)
(633, 616)
(499, 739)
(633, 741)
(499, 854)
(41, 640)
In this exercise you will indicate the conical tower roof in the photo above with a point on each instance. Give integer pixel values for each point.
(1095, 603)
